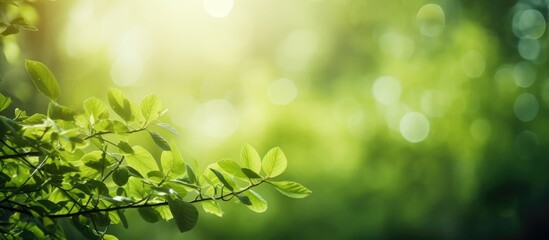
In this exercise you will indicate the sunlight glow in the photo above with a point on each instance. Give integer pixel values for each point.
(218, 8)
(216, 118)
(282, 91)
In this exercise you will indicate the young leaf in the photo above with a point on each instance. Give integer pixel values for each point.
(56, 111)
(291, 189)
(96, 108)
(43, 79)
(259, 204)
(141, 160)
(120, 104)
(222, 179)
(274, 163)
(231, 167)
(4, 102)
(151, 108)
(212, 207)
(149, 214)
(184, 213)
(160, 141)
(250, 158)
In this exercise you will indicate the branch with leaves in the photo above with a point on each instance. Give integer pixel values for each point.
(82, 166)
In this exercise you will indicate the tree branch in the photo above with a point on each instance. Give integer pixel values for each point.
(97, 210)
(19, 155)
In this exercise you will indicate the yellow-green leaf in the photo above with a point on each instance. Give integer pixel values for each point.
(4, 102)
(141, 160)
(120, 104)
(250, 158)
(43, 79)
(212, 207)
(291, 189)
(258, 204)
(274, 163)
(151, 108)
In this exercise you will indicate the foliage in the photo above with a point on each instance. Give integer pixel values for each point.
(83, 167)
(15, 24)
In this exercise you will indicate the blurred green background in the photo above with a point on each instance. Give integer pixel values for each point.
(407, 119)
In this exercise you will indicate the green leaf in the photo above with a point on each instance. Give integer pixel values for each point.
(184, 213)
(20, 23)
(167, 127)
(250, 174)
(151, 107)
(122, 218)
(250, 158)
(291, 189)
(120, 176)
(259, 204)
(133, 172)
(274, 163)
(191, 174)
(96, 108)
(178, 165)
(125, 147)
(109, 237)
(5, 102)
(212, 207)
(244, 199)
(56, 111)
(155, 174)
(222, 179)
(172, 162)
(149, 214)
(141, 160)
(231, 167)
(120, 104)
(43, 79)
(160, 141)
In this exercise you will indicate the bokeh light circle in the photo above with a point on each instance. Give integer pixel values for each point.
(414, 127)
(529, 49)
(529, 23)
(473, 64)
(386, 90)
(431, 20)
(526, 144)
(282, 91)
(526, 107)
(216, 118)
(524, 74)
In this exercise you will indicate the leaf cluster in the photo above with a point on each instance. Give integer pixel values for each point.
(15, 24)
(83, 167)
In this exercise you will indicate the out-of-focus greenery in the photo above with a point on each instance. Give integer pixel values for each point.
(408, 119)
